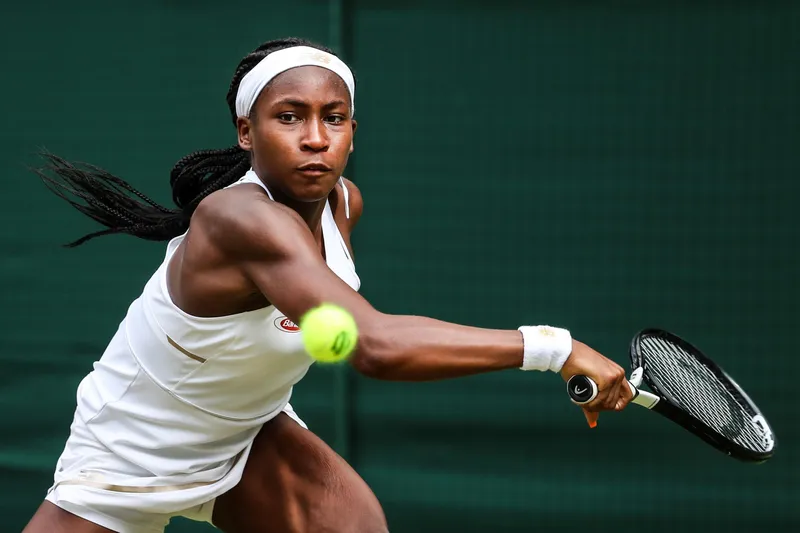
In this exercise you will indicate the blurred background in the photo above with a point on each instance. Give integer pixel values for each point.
(604, 166)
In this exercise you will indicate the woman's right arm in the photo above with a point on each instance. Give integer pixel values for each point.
(275, 249)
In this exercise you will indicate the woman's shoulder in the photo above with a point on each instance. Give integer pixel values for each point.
(236, 219)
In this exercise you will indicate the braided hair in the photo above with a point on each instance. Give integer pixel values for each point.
(119, 207)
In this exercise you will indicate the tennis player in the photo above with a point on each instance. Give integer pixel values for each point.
(187, 411)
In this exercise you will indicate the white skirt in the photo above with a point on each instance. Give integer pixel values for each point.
(94, 483)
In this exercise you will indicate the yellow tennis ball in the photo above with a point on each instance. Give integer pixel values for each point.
(329, 333)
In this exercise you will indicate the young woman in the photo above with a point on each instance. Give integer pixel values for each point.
(186, 413)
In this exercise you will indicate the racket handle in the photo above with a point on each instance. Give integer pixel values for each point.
(583, 389)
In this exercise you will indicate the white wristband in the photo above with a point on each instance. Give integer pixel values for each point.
(545, 347)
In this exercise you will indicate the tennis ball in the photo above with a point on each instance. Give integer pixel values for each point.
(329, 333)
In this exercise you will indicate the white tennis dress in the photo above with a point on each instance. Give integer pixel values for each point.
(165, 421)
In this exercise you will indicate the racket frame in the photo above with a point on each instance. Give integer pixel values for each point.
(670, 408)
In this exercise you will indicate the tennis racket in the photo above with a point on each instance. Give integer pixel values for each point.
(692, 391)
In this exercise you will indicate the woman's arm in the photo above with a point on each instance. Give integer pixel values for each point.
(275, 249)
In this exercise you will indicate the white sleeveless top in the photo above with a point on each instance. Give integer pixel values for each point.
(178, 394)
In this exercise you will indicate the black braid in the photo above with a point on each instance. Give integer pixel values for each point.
(119, 207)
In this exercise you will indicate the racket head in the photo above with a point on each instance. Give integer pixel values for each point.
(700, 396)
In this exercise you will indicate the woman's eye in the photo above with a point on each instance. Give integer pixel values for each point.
(335, 119)
(288, 117)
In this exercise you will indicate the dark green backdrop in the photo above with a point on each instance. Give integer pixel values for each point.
(603, 166)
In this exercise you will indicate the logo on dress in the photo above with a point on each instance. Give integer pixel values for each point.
(284, 324)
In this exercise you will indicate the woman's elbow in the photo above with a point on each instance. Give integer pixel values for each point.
(373, 355)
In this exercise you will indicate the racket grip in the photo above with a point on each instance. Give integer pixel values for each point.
(582, 389)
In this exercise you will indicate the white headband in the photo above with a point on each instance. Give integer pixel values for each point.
(282, 60)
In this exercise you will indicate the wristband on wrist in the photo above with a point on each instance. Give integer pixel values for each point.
(545, 348)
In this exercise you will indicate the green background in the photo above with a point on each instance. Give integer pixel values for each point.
(603, 166)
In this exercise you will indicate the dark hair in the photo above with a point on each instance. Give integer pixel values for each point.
(119, 207)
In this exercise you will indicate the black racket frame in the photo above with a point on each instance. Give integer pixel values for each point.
(671, 409)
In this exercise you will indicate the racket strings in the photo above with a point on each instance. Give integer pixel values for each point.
(700, 392)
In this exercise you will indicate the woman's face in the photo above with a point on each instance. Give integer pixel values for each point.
(300, 132)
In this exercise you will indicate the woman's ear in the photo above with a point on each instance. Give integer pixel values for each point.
(244, 128)
(355, 125)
